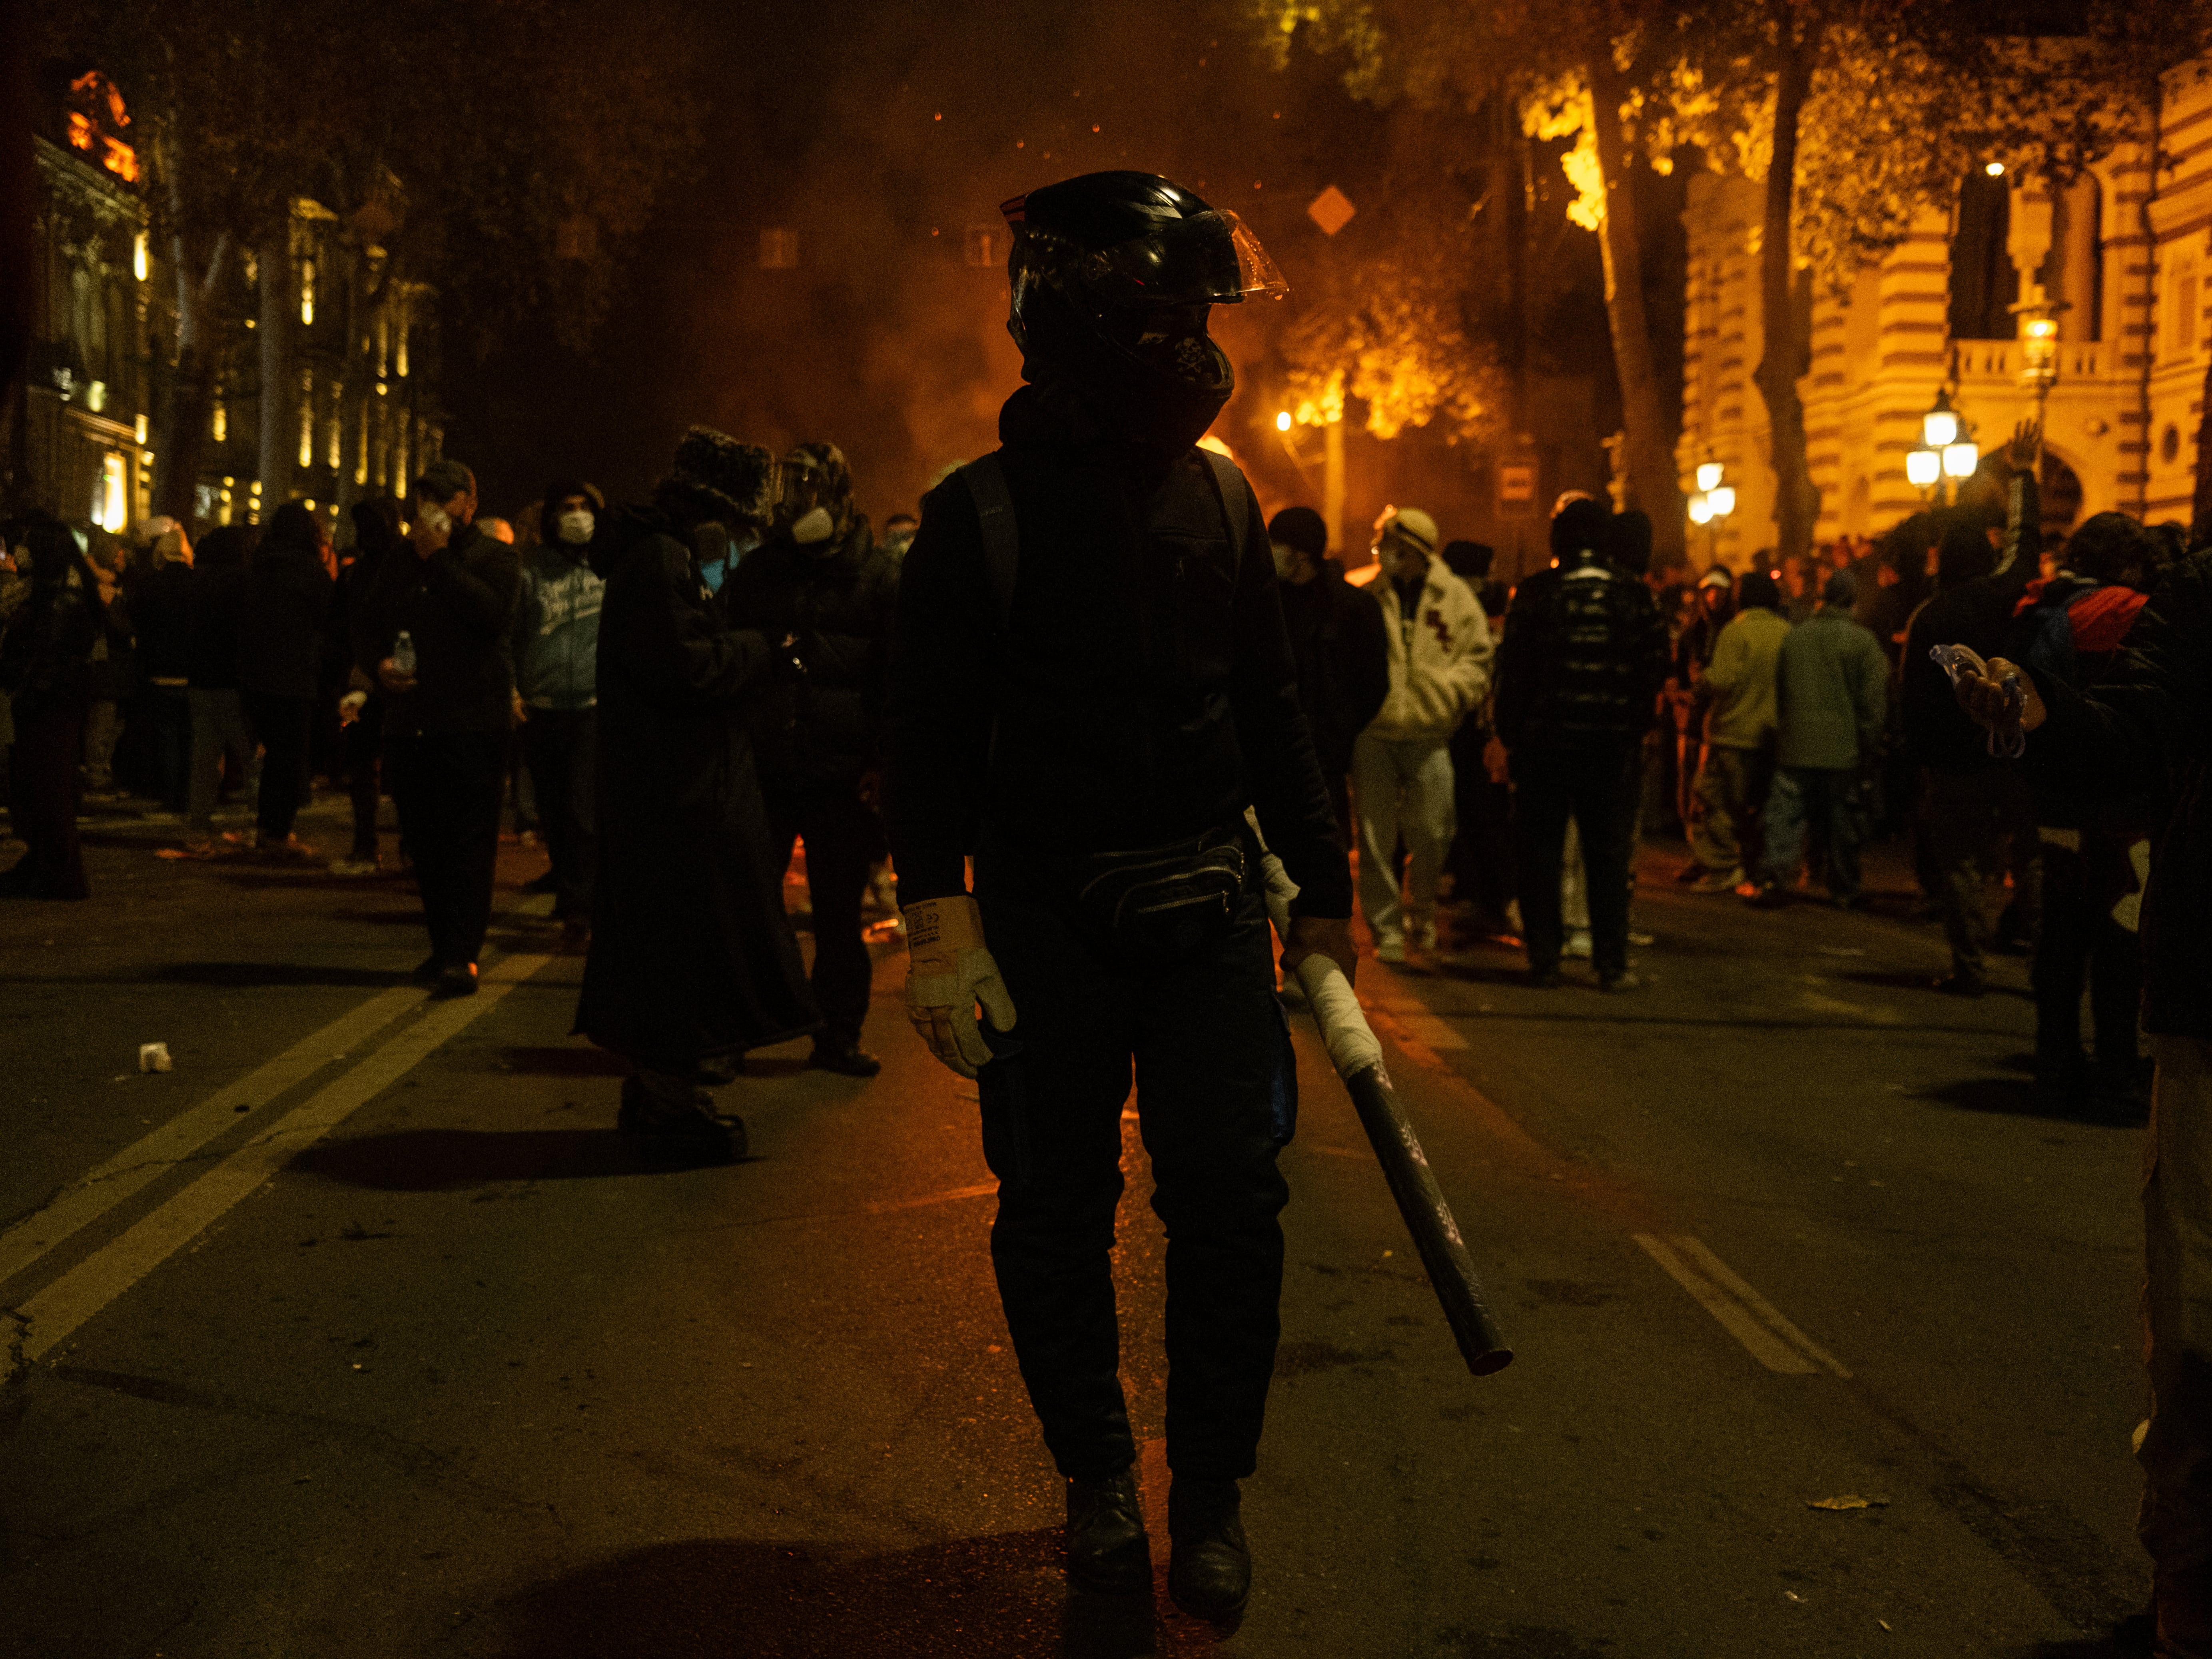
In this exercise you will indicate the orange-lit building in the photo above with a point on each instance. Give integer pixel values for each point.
(87, 408)
(2119, 261)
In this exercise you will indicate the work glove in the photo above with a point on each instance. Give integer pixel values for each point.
(948, 972)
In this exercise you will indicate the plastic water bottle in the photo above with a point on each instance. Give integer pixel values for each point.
(403, 653)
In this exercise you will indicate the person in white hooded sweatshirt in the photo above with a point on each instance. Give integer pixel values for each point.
(1401, 768)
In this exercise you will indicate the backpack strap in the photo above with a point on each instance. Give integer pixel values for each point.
(995, 516)
(1234, 492)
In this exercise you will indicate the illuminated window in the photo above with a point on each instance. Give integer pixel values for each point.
(779, 250)
(307, 290)
(139, 256)
(336, 436)
(399, 355)
(109, 509)
(361, 462)
(96, 395)
(139, 429)
(219, 426)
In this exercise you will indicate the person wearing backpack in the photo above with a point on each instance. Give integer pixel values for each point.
(1091, 685)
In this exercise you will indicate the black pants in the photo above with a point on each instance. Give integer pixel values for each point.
(841, 836)
(562, 747)
(1481, 857)
(1597, 786)
(363, 742)
(169, 713)
(42, 792)
(1209, 1048)
(2080, 942)
(280, 726)
(448, 788)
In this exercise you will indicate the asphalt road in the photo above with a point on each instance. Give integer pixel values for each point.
(358, 1334)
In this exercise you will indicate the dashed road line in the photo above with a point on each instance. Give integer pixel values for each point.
(55, 1312)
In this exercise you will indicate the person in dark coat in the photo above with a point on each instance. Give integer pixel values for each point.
(1336, 635)
(160, 610)
(220, 733)
(376, 534)
(280, 618)
(819, 737)
(450, 589)
(692, 960)
(112, 680)
(45, 669)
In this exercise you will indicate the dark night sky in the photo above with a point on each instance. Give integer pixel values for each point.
(880, 131)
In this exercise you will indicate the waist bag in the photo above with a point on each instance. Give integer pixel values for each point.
(1166, 904)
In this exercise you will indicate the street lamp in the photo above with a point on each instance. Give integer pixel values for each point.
(1939, 427)
(1709, 475)
(1923, 468)
(1714, 501)
(2039, 347)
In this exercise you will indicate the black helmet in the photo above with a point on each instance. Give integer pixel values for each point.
(1131, 241)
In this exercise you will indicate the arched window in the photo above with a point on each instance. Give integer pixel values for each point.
(1984, 285)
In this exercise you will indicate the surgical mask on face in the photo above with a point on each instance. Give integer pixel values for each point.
(713, 572)
(576, 527)
(814, 525)
(434, 519)
(1286, 559)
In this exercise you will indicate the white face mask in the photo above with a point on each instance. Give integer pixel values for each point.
(576, 527)
(814, 526)
(1286, 560)
(434, 519)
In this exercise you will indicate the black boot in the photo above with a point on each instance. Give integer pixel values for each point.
(1107, 1549)
(671, 1122)
(1209, 1563)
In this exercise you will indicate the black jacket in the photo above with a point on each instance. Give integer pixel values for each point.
(824, 729)
(218, 591)
(457, 605)
(1144, 693)
(1583, 657)
(45, 654)
(2150, 718)
(1336, 638)
(691, 953)
(282, 617)
(161, 613)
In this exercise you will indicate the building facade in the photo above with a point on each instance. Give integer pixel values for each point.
(83, 419)
(322, 319)
(2120, 259)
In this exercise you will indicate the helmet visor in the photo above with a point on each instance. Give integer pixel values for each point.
(1212, 258)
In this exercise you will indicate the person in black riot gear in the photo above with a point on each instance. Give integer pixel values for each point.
(1093, 683)
(818, 736)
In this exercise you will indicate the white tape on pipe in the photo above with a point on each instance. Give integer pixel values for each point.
(1351, 1042)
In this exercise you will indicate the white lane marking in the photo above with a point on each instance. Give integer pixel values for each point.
(57, 1312)
(1768, 1313)
(154, 1155)
(1744, 1314)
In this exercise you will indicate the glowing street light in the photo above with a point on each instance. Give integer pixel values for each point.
(1924, 467)
(1701, 510)
(1995, 169)
(1939, 427)
(1960, 460)
(1283, 421)
(1722, 499)
(1709, 475)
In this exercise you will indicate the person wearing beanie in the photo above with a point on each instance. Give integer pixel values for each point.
(1440, 647)
(692, 960)
(450, 590)
(1578, 679)
(819, 741)
(1831, 693)
(1738, 768)
(556, 648)
(1337, 640)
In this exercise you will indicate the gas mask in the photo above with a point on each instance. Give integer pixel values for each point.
(813, 526)
(576, 526)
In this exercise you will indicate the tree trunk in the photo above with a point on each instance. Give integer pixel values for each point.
(280, 412)
(1786, 351)
(1652, 484)
(189, 395)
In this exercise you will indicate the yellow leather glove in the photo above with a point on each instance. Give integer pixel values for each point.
(948, 972)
